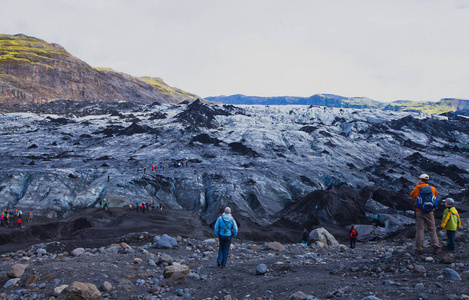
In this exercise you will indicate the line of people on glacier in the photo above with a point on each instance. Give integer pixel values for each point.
(162, 166)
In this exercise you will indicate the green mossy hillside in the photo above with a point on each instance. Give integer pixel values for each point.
(421, 106)
(24, 49)
(162, 87)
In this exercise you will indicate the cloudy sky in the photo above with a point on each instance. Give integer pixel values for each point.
(384, 50)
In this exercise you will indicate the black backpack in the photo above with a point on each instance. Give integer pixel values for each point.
(425, 200)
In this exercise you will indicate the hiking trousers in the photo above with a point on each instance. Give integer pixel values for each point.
(451, 234)
(223, 250)
(428, 219)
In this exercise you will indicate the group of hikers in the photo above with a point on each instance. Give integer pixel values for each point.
(139, 207)
(161, 166)
(426, 202)
(10, 218)
(146, 206)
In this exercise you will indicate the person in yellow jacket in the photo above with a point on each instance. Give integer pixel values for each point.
(451, 221)
(423, 218)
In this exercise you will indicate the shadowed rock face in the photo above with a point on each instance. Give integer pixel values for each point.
(293, 165)
(340, 205)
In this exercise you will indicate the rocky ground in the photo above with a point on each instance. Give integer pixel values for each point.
(137, 264)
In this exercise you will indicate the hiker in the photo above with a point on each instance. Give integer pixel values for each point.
(2, 219)
(305, 237)
(130, 207)
(450, 221)
(105, 204)
(19, 222)
(353, 236)
(425, 204)
(30, 219)
(225, 229)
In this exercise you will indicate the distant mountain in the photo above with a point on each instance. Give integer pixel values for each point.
(443, 106)
(328, 100)
(34, 71)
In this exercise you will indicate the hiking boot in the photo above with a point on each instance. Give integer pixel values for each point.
(437, 250)
(218, 264)
(419, 251)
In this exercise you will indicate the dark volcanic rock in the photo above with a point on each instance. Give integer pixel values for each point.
(198, 114)
(340, 205)
(205, 139)
(241, 149)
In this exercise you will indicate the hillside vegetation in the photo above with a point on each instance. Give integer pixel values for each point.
(34, 71)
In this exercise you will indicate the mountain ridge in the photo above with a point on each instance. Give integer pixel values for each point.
(34, 71)
(445, 105)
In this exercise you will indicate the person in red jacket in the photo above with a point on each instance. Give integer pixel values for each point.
(425, 218)
(353, 236)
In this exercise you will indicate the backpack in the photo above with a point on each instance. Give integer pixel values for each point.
(227, 226)
(353, 233)
(425, 200)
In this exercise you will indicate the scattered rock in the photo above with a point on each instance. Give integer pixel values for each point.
(166, 242)
(275, 246)
(261, 269)
(297, 296)
(323, 236)
(16, 270)
(419, 269)
(59, 289)
(107, 286)
(80, 290)
(77, 252)
(451, 275)
(11, 282)
(447, 260)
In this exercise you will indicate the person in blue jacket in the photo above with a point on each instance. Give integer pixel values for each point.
(225, 229)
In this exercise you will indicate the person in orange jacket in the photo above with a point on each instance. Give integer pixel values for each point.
(423, 218)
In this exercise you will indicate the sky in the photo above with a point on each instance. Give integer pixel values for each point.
(384, 50)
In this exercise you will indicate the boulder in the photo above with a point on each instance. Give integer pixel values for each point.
(59, 289)
(419, 269)
(107, 286)
(80, 290)
(78, 251)
(11, 282)
(16, 270)
(125, 245)
(166, 242)
(323, 236)
(343, 248)
(211, 242)
(275, 246)
(447, 260)
(176, 273)
(176, 268)
(137, 260)
(261, 269)
(165, 258)
(298, 296)
(451, 275)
